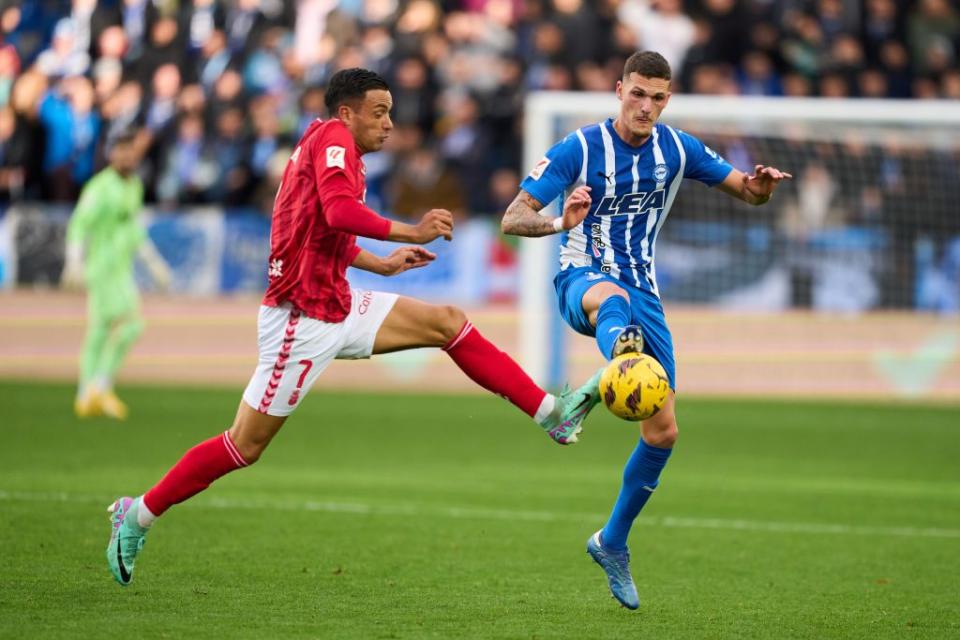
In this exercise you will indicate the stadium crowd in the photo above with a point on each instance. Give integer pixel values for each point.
(220, 89)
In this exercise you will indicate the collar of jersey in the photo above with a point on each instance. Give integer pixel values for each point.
(617, 140)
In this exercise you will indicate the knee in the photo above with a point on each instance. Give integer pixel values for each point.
(592, 305)
(130, 328)
(449, 321)
(250, 448)
(663, 436)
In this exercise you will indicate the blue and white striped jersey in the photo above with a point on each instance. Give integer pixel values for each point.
(632, 189)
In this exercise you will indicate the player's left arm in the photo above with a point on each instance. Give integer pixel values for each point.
(399, 260)
(753, 189)
(84, 216)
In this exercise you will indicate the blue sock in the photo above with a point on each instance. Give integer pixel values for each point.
(613, 315)
(640, 478)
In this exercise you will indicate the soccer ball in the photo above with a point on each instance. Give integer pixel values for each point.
(634, 386)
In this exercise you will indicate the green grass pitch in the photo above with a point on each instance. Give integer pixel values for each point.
(417, 516)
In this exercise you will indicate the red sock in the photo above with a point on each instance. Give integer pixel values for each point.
(494, 370)
(195, 471)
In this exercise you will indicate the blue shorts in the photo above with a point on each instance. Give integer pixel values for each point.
(645, 311)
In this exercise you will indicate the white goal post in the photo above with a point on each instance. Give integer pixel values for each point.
(551, 115)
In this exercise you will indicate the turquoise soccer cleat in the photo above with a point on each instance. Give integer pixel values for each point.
(629, 340)
(616, 564)
(126, 539)
(566, 421)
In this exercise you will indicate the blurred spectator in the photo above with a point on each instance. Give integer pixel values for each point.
(63, 58)
(933, 28)
(414, 94)
(229, 147)
(661, 26)
(466, 146)
(213, 59)
(9, 68)
(896, 64)
(188, 168)
(72, 128)
(758, 77)
(951, 85)
(14, 149)
(162, 105)
(422, 182)
(202, 19)
(223, 86)
(881, 24)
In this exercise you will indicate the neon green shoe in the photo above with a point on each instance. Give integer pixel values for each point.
(566, 421)
(126, 539)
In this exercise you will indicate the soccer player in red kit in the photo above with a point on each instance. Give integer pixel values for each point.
(310, 316)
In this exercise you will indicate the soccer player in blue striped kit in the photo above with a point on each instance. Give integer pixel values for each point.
(619, 179)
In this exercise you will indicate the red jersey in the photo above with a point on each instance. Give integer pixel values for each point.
(308, 257)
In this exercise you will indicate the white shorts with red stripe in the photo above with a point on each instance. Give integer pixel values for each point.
(295, 348)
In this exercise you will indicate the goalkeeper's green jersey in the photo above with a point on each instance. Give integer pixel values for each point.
(107, 223)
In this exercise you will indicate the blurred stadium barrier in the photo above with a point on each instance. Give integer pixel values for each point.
(214, 251)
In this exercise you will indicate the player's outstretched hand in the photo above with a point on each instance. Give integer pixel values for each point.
(763, 181)
(576, 207)
(162, 278)
(72, 277)
(433, 224)
(404, 259)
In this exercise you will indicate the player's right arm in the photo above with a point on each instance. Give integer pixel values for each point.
(554, 173)
(335, 162)
(523, 217)
(81, 221)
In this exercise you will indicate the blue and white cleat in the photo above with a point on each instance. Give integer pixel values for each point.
(629, 340)
(126, 539)
(566, 421)
(616, 564)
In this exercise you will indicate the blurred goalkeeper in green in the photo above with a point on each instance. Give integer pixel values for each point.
(104, 236)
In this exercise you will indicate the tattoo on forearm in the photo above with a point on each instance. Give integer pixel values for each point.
(523, 218)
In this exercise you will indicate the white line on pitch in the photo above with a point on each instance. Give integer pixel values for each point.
(480, 513)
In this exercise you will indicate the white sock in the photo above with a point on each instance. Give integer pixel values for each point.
(145, 517)
(546, 408)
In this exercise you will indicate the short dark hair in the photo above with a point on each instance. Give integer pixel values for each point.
(649, 64)
(350, 85)
(126, 136)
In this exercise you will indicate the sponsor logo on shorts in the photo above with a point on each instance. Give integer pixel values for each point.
(365, 299)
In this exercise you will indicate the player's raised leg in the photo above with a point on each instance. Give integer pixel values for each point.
(412, 324)
(607, 306)
(238, 447)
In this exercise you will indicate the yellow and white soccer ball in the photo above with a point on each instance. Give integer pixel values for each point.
(634, 386)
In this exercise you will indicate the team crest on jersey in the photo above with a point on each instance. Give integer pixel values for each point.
(335, 156)
(540, 168)
(660, 172)
(276, 268)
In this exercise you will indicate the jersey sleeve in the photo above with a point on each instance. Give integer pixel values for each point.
(335, 161)
(86, 212)
(703, 163)
(556, 171)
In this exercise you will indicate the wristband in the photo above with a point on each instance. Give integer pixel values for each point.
(558, 225)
